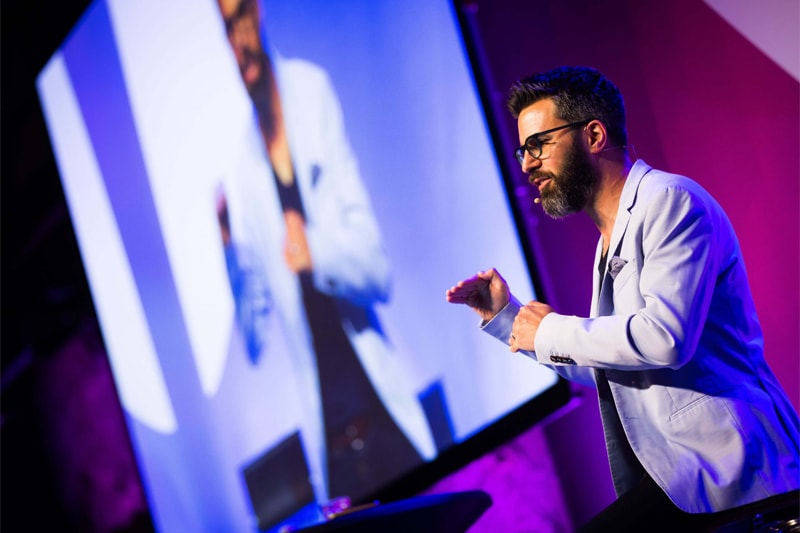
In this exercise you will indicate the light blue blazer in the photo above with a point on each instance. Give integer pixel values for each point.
(674, 326)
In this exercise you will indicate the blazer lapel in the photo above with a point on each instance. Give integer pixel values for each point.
(605, 300)
(594, 309)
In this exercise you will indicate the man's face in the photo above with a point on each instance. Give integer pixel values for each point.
(241, 23)
(564, 174)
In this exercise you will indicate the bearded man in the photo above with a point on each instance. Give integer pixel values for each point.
(696, 424)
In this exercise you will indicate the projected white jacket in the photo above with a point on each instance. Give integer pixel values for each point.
(349, 262)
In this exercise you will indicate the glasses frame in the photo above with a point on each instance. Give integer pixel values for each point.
(535, 150)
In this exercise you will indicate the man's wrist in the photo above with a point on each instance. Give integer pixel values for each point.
(514, 306)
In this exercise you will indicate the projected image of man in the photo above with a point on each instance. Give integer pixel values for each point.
(303, 247)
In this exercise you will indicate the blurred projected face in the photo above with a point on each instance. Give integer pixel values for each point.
(241, 23)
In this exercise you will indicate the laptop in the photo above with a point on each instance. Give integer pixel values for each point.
(278, 482)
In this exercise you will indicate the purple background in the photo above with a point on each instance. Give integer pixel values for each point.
(702, 101)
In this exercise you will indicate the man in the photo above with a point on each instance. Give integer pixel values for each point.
(303, 247)
(695, 421)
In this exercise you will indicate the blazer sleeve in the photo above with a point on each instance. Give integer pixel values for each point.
(499, 327)
(661, 296)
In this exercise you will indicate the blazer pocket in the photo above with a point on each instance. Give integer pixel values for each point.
(624, 275)
(316, 174)
(697, 402)
(696, 399)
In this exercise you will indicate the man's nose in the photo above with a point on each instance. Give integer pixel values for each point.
(529, 164)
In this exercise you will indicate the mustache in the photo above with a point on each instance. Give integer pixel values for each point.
(249, 56)
(540, 175)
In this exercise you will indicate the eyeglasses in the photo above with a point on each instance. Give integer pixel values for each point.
(534, 144)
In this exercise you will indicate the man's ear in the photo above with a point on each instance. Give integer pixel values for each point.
(597, 136)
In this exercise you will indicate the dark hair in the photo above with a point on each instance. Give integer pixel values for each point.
(579, 93)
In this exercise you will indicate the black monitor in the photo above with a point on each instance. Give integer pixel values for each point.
(246, 303)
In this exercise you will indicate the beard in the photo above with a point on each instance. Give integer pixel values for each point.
(255, 59)
(260, 90)
(571, 187)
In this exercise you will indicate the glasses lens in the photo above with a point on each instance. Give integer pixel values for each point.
(534, 147)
